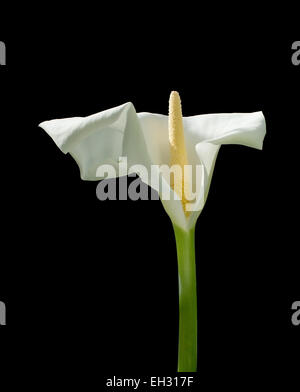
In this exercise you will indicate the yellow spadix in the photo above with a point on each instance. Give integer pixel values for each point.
(178, 150)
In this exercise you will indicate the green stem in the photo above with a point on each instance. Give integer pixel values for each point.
(187, 350)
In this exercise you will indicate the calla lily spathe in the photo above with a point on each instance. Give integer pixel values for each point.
(104, 137)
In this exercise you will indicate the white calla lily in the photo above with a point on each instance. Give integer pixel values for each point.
(154, 142)
(104, 137)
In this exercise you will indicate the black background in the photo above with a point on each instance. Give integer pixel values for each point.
(91, 287)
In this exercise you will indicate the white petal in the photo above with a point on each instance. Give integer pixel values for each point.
(142, 138)
(207, 132)
(100, 139)
(155, 129)
(173, 207)
(248, 129)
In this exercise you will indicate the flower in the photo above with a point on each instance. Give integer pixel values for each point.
(143, 138)
(156, 141)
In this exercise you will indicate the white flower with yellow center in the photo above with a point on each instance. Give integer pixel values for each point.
(154, 142)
